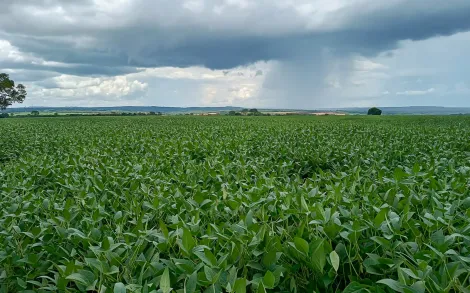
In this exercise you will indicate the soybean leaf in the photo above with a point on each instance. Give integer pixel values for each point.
(334, 258)
(119, 288)
(165, 281)
(268, 280)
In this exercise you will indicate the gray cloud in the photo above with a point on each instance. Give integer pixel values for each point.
(163, 33)
(73, 69)
(310, 39)
(25, 75)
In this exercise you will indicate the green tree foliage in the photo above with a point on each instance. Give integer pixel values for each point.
(374, 111)
(254, 112)
(234, 113)
(9, 93)
(34, 113)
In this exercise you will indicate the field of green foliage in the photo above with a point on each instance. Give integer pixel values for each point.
(235, 204)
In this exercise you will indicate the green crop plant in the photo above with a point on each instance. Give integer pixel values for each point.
(235, 204)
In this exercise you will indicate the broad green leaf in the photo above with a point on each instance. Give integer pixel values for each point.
(188, 241)
(119, 288)
(240, 286)
(21, 283)
(117, 216)
(334, 258)
(232, 276)
(249, 218)
(301, 245)
(303, 204)
(438, 238)
(394, 285)
(318, 256)
(207, 257)
(380, 218)
(191, 283)
(356, 287)
(269, 258)
(164, 229)
(208, 254)
(268, 280)
(211, 274)
(82, 277)
(261, 288)
(165, 284)
(410, 273)
(418, 287)
(107, 243)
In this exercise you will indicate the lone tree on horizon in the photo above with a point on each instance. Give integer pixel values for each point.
(9, 93)
(374, 111)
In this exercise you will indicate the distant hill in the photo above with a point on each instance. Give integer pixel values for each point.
(412, 110)
(125, 109)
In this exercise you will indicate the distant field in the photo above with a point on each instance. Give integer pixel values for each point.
(235, 204)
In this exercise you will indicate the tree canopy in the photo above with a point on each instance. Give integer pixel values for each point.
(374, 111)
(9, 93)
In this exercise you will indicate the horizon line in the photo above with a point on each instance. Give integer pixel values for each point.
(240, 107)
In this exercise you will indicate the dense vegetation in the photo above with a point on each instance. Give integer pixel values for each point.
(9, 92)
(235, 204)
(374, 111)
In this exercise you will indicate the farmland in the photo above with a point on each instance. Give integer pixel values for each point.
(235, 204)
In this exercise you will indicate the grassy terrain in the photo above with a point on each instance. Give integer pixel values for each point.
(235, 204)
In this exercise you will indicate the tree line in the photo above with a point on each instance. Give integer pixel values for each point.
(37, 114)
(247, 112)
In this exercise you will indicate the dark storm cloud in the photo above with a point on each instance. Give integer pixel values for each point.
(73, 69)
(99, 41)
(31, 76)
(65, 50)
(415, 20)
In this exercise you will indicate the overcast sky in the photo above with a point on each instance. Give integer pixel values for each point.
(251, 53)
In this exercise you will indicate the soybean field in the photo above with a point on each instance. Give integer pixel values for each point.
(235, 204)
